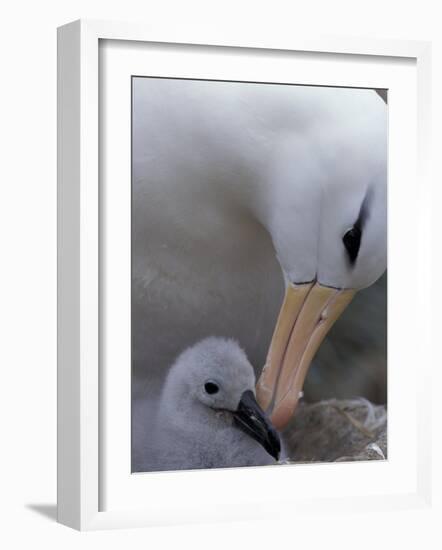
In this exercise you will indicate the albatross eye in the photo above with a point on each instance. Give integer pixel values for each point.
(352, 242)
(211, 388)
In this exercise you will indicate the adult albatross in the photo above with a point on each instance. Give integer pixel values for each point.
(246, 196)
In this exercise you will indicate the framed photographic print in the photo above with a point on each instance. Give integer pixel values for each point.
(227, 214)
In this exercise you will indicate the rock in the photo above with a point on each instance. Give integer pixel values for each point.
(337, 431)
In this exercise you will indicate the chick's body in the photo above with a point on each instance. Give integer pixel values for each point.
(207, 417)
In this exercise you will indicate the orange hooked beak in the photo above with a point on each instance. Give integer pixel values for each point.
(308, 312)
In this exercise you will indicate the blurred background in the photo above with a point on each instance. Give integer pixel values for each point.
(352, 360)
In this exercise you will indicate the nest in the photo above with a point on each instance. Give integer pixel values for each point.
(337, 431)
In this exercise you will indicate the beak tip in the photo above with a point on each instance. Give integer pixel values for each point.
(275, 451)
(283, 412)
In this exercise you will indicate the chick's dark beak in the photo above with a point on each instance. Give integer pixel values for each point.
(252, 420)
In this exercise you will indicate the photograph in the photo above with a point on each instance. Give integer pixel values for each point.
(258, 274)
(222, 275)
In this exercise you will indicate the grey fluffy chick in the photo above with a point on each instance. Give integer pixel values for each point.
(208, 416)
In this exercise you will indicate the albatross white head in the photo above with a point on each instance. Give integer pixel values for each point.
(330, 234)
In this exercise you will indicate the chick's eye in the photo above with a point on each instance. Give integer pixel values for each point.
(211, 388)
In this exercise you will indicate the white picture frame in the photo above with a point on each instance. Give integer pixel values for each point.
(80, 436)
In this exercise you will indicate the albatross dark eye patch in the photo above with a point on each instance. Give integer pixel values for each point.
(352, 242)
(211, 388)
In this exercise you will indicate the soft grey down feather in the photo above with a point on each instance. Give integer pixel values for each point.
(192, 429)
